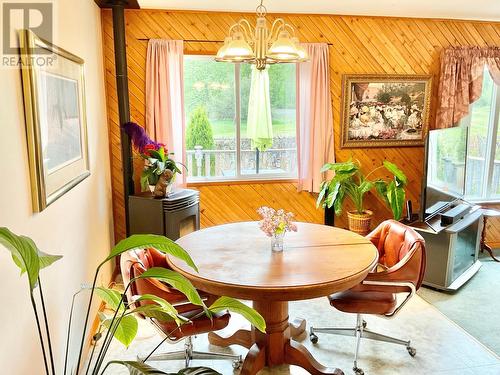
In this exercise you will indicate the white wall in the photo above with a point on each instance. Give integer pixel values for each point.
(77, 226)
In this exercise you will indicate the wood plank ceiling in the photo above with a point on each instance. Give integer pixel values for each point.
(359, 45)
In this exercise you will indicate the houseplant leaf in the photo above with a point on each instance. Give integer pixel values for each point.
(347, 166)
(165, 305)
(381, 187)
(398, 203)
(155, 312)
(156, 154)
(396, 198)
(111, 296)
(126, 330)
(145, 175)
(197, 371)
(337, 205)
(332, 195)
(24, 254)
(176, 280)
(348, 169)
(46, 259)
(327, 167)
(138, 368)
(398, 173)
(365, 187)
(160, 243)
(233, 305)
(323, 188)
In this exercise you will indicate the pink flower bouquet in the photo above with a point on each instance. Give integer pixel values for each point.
(276, 222)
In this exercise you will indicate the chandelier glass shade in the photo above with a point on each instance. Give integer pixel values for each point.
(261, 45)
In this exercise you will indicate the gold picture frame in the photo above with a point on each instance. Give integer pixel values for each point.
(385, 110)
(56, 124)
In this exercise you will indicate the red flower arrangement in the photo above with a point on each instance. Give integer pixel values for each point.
(158, 160)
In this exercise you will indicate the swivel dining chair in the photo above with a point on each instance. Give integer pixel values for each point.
(133, 264)
(400, 271)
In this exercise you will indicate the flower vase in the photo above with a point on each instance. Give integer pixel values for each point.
(277, 242)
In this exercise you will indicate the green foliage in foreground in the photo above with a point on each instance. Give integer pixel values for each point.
(119, 318)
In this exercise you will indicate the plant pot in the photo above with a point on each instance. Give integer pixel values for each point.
(360, 223)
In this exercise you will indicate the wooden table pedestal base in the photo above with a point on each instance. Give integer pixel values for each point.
(274, 347)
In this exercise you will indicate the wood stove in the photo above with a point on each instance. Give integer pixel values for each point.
(173, 216)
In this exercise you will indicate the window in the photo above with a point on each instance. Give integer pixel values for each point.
(466, 159)
(216, 108)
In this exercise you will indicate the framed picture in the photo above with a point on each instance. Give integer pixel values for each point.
(54, 104)
(385, 110)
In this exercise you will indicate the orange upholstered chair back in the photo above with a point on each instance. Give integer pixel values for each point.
(136, 262)
(400, 248)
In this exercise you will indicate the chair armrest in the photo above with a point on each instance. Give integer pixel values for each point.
(392, 285)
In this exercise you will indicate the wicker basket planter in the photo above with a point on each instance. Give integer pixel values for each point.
(360, 223)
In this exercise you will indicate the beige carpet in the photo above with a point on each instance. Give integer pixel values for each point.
(442, 346)
(475, 306)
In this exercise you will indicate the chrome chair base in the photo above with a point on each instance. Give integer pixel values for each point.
(189, 354)
(360, 331)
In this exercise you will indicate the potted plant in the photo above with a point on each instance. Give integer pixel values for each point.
(159, 172)
(349, 181)
(121, 323)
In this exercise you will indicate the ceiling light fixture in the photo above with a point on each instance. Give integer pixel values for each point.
(261, 46)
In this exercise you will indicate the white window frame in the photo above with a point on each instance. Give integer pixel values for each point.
(237, 120)
(489, 157)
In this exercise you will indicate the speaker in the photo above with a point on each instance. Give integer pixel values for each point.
(409, 211)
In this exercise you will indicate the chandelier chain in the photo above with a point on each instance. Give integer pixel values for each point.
(261, 10)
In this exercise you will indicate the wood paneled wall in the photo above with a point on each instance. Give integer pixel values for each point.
(359, 45)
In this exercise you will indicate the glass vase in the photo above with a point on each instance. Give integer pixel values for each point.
(277, 242)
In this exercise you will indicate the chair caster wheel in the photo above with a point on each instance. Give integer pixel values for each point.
(313, 338)
(358, 371)
(411, 351)
(364, 324)
(237, 364)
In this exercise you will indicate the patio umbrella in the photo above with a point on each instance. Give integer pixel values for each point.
(259, 123)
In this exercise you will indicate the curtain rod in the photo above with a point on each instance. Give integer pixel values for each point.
(186, 40)
(202, 41)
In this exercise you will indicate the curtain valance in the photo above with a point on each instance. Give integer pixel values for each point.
(461, 81)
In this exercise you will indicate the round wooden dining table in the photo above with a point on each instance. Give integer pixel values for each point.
(236, 260)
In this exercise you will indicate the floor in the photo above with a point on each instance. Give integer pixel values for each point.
(443, 348)
(474, 307)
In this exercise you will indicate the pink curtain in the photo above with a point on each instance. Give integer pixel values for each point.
(165, 96)
(461, 81)
(315, 119)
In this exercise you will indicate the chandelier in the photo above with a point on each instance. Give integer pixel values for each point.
(259, 45)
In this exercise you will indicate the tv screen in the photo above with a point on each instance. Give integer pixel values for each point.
(446, 156)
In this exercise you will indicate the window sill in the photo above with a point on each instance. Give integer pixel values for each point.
(241, 182)
(484, 201)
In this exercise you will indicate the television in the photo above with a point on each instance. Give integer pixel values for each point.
(444, 170)
(450, 225)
